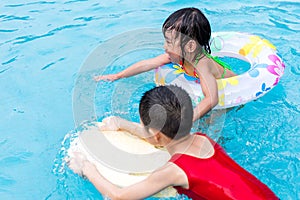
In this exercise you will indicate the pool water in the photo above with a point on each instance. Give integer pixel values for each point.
(44, 45)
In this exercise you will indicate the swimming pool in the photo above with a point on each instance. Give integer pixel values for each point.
(44, 45)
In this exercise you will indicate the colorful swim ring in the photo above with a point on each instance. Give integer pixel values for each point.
(266, 68)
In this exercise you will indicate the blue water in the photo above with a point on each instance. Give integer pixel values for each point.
(43, 46)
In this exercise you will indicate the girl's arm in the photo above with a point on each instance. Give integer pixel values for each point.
(137, 68)
(210, 90)
(166, 176)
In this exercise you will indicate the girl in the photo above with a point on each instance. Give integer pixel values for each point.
(187, 33)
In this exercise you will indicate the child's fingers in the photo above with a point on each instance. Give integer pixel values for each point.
(79, 156)
(102, 127)
(109, 77)
(76, 162)
(97, 78)
(75, 166)
(107, 125)
(109, 119)
(101, 78)
(112, 123)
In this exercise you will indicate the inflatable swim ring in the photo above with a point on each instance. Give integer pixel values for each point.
(266, 68)
(121, 158)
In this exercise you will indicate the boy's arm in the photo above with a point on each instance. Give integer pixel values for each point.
(167, 175)
(114, 123)
(137, 68)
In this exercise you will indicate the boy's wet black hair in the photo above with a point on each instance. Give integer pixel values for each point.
(167, 109)
(190, 23)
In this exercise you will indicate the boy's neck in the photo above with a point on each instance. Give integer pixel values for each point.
(193, 145)
(180, 145)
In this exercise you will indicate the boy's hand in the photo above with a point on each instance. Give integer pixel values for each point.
(111, 123)
(76, 162)
(80, 165)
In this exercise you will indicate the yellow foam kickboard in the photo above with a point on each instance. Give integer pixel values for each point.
(120, 157)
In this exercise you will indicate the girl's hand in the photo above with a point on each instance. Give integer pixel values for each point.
(111, 123)
(108, 77)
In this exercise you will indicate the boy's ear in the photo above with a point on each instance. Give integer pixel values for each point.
(157, 137)
(155, 134)
(190, 46)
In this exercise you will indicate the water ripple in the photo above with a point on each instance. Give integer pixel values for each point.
(295, 68)
(52, 63)
(15, 159)
(285, 21)
(31, 3)
(13, 17)
(74, 1)
(294, 3)
(6, 181)
(28, 38)
(8, 30)
(4, 70)
(87, 19)
(281, 25)
(10, 60)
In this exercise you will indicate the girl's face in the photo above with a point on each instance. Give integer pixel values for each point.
(172, 46)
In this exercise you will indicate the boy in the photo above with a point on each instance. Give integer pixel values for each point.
(198, 168)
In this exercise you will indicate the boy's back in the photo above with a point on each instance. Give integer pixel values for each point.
(219, 177)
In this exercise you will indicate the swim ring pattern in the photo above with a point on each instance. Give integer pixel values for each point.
(266, 69)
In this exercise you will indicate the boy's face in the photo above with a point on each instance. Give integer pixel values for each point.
(172, 46)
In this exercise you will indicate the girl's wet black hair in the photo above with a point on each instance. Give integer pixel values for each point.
(192, 24)
(167, 109)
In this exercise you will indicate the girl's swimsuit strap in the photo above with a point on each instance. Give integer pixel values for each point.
(217, 60)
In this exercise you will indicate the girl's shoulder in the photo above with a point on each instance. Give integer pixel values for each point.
(204, 65)
(208, 65)
(163, 58)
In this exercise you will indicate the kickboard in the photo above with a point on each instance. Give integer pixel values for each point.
(120, 157)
